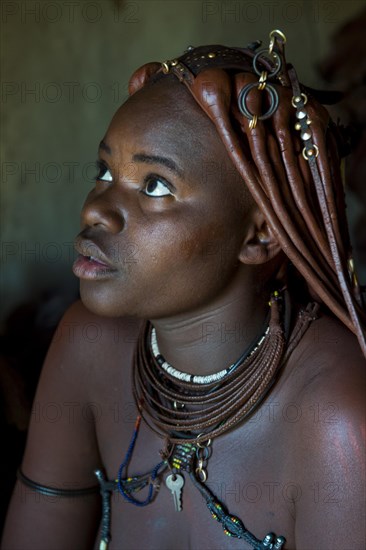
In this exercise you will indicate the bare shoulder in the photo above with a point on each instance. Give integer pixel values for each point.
(79, 370)
(328, 447)
(328, 357)
(62, 449)
(84, 349)
(88, 337)
(329, 370)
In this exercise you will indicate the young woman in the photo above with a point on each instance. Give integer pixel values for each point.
(233, 417)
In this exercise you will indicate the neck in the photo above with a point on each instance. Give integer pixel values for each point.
(213, 337)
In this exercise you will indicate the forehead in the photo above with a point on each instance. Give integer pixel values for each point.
(164, 118)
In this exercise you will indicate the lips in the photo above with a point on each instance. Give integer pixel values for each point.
(89, 249)
(91, 262)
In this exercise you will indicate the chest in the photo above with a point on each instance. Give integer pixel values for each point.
(247, 471)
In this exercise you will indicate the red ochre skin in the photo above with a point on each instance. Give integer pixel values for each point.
(197, 263)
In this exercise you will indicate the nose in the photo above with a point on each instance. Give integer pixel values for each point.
(100, 210)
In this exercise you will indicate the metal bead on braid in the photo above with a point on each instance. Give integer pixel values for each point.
(348, 284)
(310, 149)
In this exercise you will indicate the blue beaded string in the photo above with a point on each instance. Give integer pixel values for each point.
(154, 473)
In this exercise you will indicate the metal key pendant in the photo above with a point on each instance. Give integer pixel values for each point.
(175, 483)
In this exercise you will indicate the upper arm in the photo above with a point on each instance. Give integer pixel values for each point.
(330, 469)
(61, 449)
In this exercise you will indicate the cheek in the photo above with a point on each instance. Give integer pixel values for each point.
(198, 253)
(170, 267)
(188, 248)
(192, 248)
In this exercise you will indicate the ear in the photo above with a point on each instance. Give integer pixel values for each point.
(259, 245)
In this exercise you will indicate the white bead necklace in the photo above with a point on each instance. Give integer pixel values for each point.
(194, 378)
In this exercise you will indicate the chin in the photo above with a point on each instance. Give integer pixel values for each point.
(98, 303)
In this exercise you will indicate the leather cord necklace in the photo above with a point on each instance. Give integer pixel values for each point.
(184, 412)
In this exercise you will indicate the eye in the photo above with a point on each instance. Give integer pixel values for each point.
(156, 186)
(103, 173)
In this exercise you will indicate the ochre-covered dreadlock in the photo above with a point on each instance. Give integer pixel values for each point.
(293, 171)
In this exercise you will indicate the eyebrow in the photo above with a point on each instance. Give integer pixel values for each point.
(149, 159)
(156, 159)
(105, 147)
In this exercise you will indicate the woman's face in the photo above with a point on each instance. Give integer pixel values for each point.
(168, 213)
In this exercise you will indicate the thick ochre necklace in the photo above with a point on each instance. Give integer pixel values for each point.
(189, 413)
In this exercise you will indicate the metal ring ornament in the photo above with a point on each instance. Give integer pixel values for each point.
(279, 33)
(165, 66)
(201, 474)
(243, 97)
(312, 151)
(203, 453)
(277, 61)
(273, 35)
(200, 445)
(297, 99)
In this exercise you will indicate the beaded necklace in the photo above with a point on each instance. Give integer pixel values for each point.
(195, 379)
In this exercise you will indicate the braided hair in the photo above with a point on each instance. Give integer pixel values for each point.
(288, 151)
